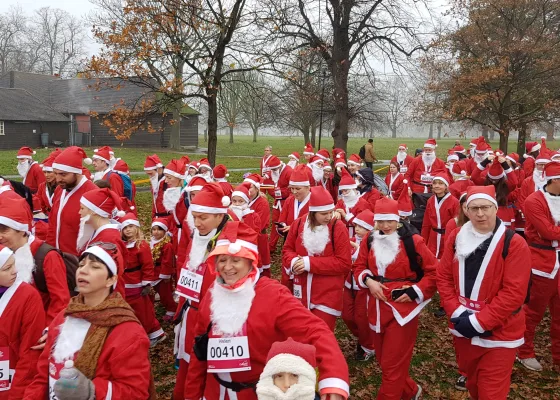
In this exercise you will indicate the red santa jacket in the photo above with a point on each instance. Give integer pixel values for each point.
(164, 265)
(507, 215)
(58, 295)
(267, 323)
(34, 177)
(403, 165)
(351, 213)
(420, 177)
(123, 367)
(528, 187)
(321, 285)
(139, 268)
(22, 321)
(45, 197)
(293, 209)
(529, 165)
(543, 234)
(395, 185)
(403, 313)
(371, 197)
(460, 186)
(158, 210)
(64, 219)
(471, 165)
(499, 290)
(261, 207)
(115, 181)
(435, 218)
(226, 187)
(282, 188)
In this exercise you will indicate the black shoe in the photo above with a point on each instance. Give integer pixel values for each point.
(362, 355)
(440, 313)
(461, 383)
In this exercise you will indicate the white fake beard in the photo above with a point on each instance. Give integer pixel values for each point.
(230, 308)
(292, 163)
(154, 183)
(554, 206)
(479, 158)
(468, 240)
(23, 168)
(538, 179)
(401, 156)
(97, 176)
(199, 246)
(238, 210)
(351, 199)
(190, 220)
(25, 263)
(385, 248)
(317, 173)
(428, 159)
(472, 152)
(315, 241)
(303, 390)
(171, 197)
(85, 233)
(275, 175)
(70, 339)
(206, 175)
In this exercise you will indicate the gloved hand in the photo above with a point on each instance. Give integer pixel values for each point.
(146, 290)
(80, 388)
(464, 326)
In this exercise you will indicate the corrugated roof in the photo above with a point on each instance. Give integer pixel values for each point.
(20, 105)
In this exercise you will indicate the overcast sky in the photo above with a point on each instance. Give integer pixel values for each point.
(76, 7)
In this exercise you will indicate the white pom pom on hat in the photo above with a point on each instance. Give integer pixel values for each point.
(120, 213)
(226, 201)
(88, 161)
(234, 248)
(405, 180)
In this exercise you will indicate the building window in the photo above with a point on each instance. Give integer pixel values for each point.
(1, 128)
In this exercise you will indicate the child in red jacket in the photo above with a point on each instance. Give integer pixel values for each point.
(164, 266)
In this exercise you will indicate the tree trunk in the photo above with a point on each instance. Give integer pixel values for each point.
(431, 132)
(484, 130)
(394, 132)
(231, 133)
(521, 138)
(212, 127)
(205, 135)
(255, 134)
(339, 71)
(305, 132)
(313, 135)
(549, 129)
(492, 135)
(504, 136)
(175, 134)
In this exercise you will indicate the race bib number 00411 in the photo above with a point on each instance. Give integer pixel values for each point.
(190, 283)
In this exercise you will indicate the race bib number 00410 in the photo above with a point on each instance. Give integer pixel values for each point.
(228, 354)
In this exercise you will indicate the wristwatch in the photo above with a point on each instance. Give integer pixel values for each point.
(366, 278)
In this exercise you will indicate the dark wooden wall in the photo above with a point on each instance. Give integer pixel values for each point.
(18, 134)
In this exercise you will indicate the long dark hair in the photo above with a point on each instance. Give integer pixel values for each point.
(462, 219)
(502, 190)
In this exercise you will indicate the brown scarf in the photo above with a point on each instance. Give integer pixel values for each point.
(114, 310)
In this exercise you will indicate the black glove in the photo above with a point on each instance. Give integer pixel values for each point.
(485, 162)
(464, 326)
(411, 293)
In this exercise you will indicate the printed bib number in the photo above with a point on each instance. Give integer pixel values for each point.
(228, 354)
(297, 291)
(426, 178)
(190, 283)
(472, 305)
(404, 169)
(4, 368)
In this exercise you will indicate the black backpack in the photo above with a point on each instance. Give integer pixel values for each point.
(362, 152)
(70, 261)
(419, 202)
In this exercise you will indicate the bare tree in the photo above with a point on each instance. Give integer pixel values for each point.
(396, 102)
(230, 98)
(256, 101)
(12, 28)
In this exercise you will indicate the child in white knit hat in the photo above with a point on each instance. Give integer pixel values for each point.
(289, 373)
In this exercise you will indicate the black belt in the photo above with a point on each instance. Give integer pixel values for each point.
(159, 214)
(542, 247)
(439, 230)
(235, 386)
(179, 226)
(138, 268)
(179, 318)
(158, 264)
(382, 279)
(423, 184)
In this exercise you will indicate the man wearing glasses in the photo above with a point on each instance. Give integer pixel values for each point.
(482, 280)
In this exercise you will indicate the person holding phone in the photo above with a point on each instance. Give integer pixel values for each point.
(399, 271)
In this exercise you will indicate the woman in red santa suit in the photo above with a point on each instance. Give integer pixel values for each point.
(164, 266)
(460, 179)
(45, 192)
(441, 207)
(240, 208)
(497, 177)
(96, 348)
(173, 200)
(220, 174)
(139, 277)
(317, 253)
(482, 287)
(351, 204)
(241, 315)
(399, 288)
(394, 181)
(354, 303)
(22, 321)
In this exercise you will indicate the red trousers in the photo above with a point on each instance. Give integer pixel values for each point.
(354, 315)
(329, 319)
(178, 391)
(544, 293)
(264, 250)
(165, 291)
(393, 349)
(144, 310)
(274, 235)
(488, 369)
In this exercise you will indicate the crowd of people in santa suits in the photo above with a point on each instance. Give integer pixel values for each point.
(78, 279)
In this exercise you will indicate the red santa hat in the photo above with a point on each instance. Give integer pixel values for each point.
(289, 357)
(530, 147)
(273, 162)
(339, 160)
(129, 219)
(552, 171)
(103, 202)
(316, 159)
(109, 259)
(355, 159)
(320, 200)
(152, 162)
(294, 155)
(474, 142)
(555, 155)
(336, 151)
(161, 223)
(121, 166)
(308, 150)
(71, 159)
(430, 143)
(196, 183)
(102, 154)
(386, 209)
(211, 200)
(364, 219)
(459, 149)
(220, 172)
(442, 177)
(254, 179)
(452, 155)
(323, 154)
(405, 202)
(5, 253)
(327, 167)
(482, 147)
(175, 168)
(26, 152)
(204, 163)
(47, 164)
(482, 192)
(496, 171)
(346, 181)
(402, 146)
(544, 156)
(459, 168)
(513, 157)
(105, 148)
(236, 239)
(299, 176)
(15, 213)
(242, 191)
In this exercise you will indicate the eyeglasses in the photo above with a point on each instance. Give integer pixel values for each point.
(476, 209)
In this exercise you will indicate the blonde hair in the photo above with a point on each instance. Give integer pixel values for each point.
(139, 237)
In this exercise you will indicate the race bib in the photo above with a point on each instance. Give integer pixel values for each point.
(190, 283)
(404, 169)
(472, 305)
(426, 178)
(4, 368)
(297, 291)
(228, 354)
